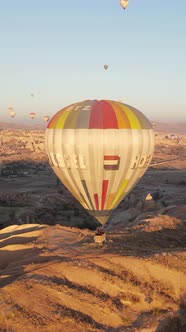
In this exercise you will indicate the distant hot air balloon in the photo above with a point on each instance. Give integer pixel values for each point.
(32, 94)
(32, 115)
(11, 112)
(99, 150)
(46, 118)
(105, 67)
(124, 3)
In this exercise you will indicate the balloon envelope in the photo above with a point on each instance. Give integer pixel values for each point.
(99, 150)
(11, 112)
(124, 3)
(46, 118)
(32, 115)
(105, 67)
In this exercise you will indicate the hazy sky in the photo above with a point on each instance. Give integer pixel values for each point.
(56, 49)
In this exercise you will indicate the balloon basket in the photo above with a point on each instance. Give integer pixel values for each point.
(100, 236)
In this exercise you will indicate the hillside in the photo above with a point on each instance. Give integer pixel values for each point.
(56, 278)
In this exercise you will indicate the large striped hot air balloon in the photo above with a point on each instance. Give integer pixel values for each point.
(99, 150)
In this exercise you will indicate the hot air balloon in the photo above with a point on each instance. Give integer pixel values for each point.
(32, 115)
(11, 112)
(46, 118)
(124, 3)
(105, 67)
(32, 94)
(99, 150)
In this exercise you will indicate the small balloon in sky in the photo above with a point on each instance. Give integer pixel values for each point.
(99, 149)
(46, 118)
(105, 67)
(32, 115)
(124, 3)
(32, 95)
(11, 112)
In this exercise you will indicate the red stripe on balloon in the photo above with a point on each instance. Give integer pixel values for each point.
(109, 116)
(104, 192)
(102, 116)
(111, 157)
(96, 201)
(96, 116)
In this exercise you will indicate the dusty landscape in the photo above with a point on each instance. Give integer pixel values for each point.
(53, 277)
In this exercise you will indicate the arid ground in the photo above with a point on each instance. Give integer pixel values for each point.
(54, 277)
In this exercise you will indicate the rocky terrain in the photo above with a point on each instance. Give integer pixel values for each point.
(30, 193)
(55, 278)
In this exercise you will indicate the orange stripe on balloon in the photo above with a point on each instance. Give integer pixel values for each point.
(109, 200)
(123, 121)
(132, 118)
(104, 193)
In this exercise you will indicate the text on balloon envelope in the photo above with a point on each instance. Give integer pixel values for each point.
(110, 162)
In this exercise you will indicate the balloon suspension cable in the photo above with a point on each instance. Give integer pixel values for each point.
(166, 161)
